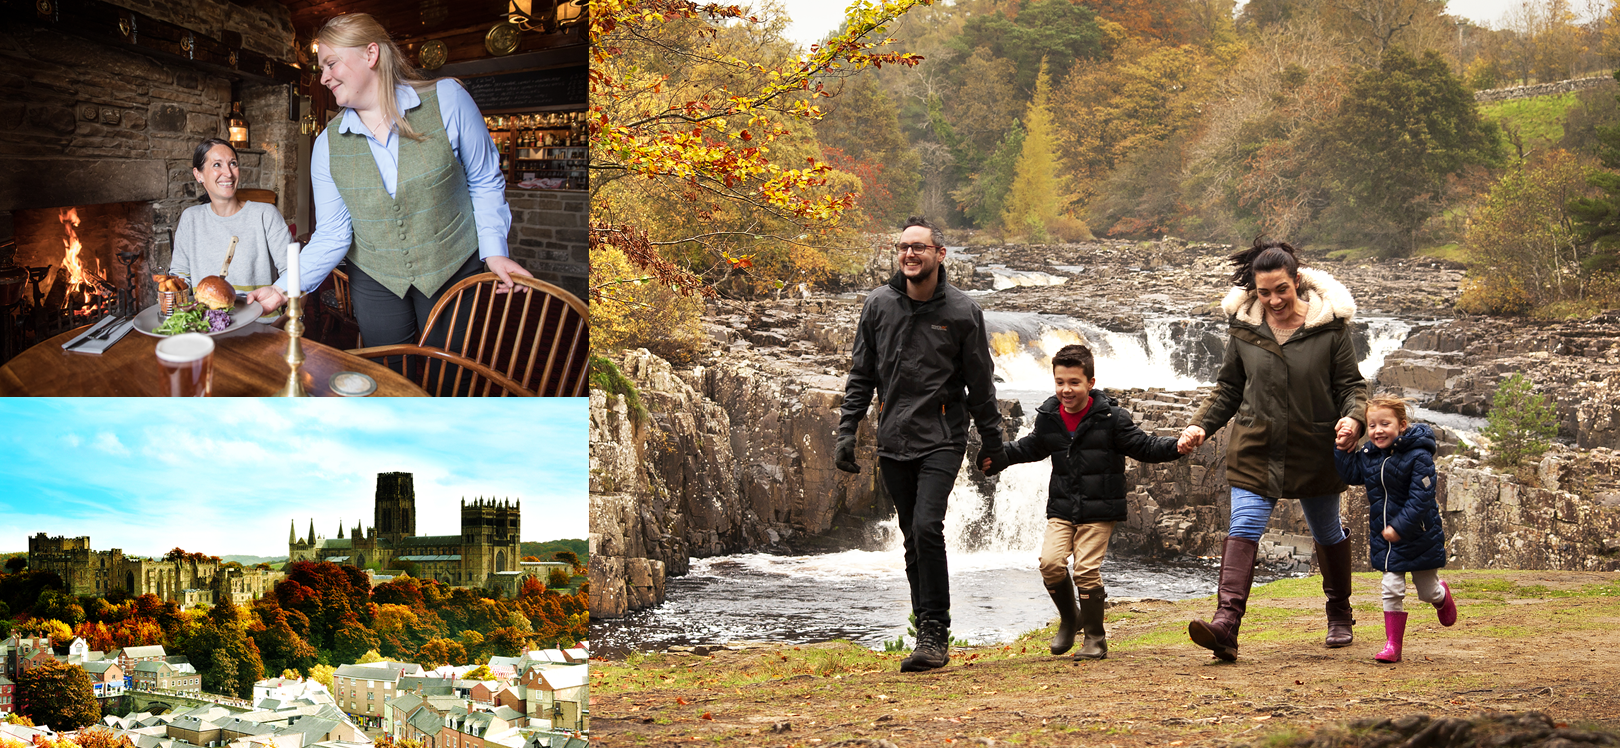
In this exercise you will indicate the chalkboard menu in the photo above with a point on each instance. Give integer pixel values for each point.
(532, 89)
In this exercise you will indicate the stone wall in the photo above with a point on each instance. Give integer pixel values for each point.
(1542, 89)
(549, 236)
(85, 123)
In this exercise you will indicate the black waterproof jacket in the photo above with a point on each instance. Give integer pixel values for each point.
(1400, 485)
(1088, 471)
(929, 366)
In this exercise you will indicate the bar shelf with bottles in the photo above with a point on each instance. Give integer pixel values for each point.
(541, 150)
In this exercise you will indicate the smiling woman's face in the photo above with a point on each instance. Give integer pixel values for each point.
(218, 173)
(350, 73)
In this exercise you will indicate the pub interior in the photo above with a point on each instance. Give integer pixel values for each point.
(103, 105)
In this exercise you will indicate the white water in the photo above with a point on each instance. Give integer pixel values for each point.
(1002, 278)
(1023, 344)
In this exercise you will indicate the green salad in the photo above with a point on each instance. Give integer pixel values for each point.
(194, 318)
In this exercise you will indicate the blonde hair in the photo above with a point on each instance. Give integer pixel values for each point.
(360, 29)
(1394, 405)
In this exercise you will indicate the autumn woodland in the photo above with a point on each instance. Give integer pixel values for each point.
(730, 161)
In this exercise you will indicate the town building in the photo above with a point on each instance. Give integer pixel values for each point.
(361, 690)
(187, 581)
(106, 677)
(160, 675)
(8, 695)
(485, 553)
(19, 653)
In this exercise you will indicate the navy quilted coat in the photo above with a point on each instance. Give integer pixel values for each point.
(1400, 485)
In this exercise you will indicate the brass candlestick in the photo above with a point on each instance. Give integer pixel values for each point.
(295, 351)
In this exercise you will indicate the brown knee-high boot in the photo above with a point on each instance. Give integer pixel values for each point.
(1232, 597)
(1335, 562)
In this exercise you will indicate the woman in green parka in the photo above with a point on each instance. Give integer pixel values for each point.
(1291, 381)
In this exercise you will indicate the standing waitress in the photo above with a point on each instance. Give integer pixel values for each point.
(407, 184)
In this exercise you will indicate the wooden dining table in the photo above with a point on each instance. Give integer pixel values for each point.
(248, 362)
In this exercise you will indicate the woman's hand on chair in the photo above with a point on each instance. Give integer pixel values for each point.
(269, 297)
(505, 268)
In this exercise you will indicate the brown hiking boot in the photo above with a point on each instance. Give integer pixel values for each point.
(1335, 562)
(1219, 635)
(1063, 596)
(1095, 645)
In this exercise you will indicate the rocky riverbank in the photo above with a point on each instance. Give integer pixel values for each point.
(736, 454)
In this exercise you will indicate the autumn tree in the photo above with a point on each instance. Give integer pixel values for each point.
(441, 651)
(1037, 194)
(861, 135)
(223, 654)
(1402, 131)
(1523, 247)
(1044, 34)
(705, 170)
(57, 694)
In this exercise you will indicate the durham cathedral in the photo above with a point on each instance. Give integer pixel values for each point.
(485, 554)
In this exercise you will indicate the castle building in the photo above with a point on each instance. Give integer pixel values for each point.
(484, 554)
(186, 581)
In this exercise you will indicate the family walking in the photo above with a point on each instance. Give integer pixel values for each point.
(1289, 385)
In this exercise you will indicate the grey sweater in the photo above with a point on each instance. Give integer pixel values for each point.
(202, 236)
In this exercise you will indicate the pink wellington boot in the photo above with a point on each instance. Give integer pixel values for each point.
(1395, 631)
(1447, 608)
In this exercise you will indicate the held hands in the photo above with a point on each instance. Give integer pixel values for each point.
(1191, 438)
(992, 462)
(1344, 442)
(1391, 535)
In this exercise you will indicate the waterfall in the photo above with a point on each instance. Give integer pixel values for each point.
(1384, 336)
(1003, 278)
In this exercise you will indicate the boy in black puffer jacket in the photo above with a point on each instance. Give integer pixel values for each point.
(1088, 437)
(1404, 534)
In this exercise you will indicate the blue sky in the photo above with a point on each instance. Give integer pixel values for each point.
(224, 477)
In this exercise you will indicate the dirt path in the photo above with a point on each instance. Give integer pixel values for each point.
(1544, 641)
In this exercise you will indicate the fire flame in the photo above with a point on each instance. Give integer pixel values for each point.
(79, 278)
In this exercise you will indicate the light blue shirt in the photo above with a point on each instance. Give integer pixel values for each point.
(469, 140)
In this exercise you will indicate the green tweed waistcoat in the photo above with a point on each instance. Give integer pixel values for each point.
(423, 233)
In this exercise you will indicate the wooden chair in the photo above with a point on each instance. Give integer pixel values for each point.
(257, 195)
(525, 343)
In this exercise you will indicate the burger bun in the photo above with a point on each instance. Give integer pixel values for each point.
(213, 292)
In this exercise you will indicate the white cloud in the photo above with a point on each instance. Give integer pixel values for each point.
(106, 441)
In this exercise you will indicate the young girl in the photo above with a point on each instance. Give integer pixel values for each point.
(1397, 467)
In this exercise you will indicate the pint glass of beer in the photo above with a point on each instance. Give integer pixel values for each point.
(188, 364)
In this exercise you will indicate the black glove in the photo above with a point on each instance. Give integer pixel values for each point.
(996, 454)
(844, 455)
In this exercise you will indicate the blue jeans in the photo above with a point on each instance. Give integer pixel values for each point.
(1251, 512)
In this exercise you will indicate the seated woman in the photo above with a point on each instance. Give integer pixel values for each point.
(203, 236)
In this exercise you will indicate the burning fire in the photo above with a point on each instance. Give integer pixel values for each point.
(79, 278)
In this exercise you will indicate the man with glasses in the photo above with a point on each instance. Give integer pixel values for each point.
(922, 349)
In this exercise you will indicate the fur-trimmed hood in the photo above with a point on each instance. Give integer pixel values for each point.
(1325, 299)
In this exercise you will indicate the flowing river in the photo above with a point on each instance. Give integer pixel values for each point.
(996, 591)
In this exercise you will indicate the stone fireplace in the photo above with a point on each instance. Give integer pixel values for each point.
(101, 106)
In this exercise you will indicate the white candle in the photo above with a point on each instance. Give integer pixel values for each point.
(294, 280)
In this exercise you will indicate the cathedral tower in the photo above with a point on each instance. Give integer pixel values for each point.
(396, 507)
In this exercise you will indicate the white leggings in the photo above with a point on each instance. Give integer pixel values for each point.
(1427, 582)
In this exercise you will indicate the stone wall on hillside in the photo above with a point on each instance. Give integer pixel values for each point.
(1542, 89)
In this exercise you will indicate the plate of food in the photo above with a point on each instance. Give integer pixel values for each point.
(217, 310)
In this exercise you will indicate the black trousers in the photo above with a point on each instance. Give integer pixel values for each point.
(386, 319)
(921, 489)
